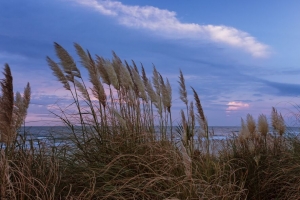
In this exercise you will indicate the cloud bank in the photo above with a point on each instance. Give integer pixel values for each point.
(165, 22)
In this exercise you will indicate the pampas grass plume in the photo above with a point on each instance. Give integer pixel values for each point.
(263, 126)
(182, 89)
(57, 72)
(251, 124)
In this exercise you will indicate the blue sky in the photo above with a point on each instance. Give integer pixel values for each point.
(240, 56)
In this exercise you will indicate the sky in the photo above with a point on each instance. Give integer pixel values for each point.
(240, 56)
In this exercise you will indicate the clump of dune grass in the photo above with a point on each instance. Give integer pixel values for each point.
(13, 110)
(122, 147)
(266, 164)
(29, 172)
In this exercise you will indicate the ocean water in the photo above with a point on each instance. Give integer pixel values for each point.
(43, 132)
(56, 131)
(58, 135)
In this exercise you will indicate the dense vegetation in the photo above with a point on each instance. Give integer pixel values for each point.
(120, 145)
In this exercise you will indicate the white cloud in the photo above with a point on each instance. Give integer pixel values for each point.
(166, 23)
(235, 105)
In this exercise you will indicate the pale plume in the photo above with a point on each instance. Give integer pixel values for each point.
(66, 62)
(251, 124)
(182, 89)
(263, 126)
(57, 72)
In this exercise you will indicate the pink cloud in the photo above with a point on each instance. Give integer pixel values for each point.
(236, 105)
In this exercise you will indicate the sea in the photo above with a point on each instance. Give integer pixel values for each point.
(58, 135)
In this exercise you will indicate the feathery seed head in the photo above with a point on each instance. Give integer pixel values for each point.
(182, 89)
(139, 83)
(192, 114)
(281, 125)
(84, 58)
(58, 73)
(112, 74)
(67, 61)
(134, 87)
(7, 98)
(263, 126)
(82, 89)
(12, 112)
(202, 118)
(21, 106)
(135, 67)
(274, 117)
(244, 132)
(278, 122)
(102, 70)
(117, 64)
(144, 76)
(151, 93)
(166, 93)
(251, 124)
(155, 80)
(126, 78)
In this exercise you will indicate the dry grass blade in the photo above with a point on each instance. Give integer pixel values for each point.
(187, 162)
